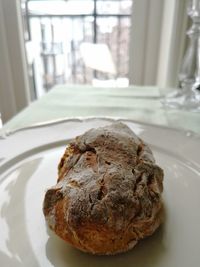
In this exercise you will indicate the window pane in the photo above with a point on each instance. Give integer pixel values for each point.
(115, 32)
(108, 7)
(122, 7)
(70, 7)
(126, 6)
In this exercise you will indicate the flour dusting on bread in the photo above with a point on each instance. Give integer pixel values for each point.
(108, 192)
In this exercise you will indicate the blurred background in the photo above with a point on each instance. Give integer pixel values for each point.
(102, 43)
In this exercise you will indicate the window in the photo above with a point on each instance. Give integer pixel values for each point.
(58, 29)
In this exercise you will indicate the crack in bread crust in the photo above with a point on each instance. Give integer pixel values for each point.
(109, 190)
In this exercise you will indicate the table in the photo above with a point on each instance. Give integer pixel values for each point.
(135, 102)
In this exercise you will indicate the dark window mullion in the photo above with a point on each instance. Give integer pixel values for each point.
(73, 49)
(95, 29)
(118, 46)
(45, 63)
(83, 65)
(52, 52)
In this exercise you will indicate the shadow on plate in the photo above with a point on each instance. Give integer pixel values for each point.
(148, 252)
(13, 216)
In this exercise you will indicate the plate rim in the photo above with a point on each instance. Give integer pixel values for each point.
(186, 135)
(6, 133)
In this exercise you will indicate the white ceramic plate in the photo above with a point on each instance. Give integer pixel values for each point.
(28, 165)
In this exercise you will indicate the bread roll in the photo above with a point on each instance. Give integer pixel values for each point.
(108, 192)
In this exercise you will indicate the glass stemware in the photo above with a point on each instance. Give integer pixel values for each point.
(188, 97)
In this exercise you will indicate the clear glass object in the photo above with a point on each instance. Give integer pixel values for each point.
(188, 97)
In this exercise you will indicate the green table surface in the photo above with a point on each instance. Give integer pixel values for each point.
(135, 102)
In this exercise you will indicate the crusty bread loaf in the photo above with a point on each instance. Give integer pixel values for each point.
(108, 193)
